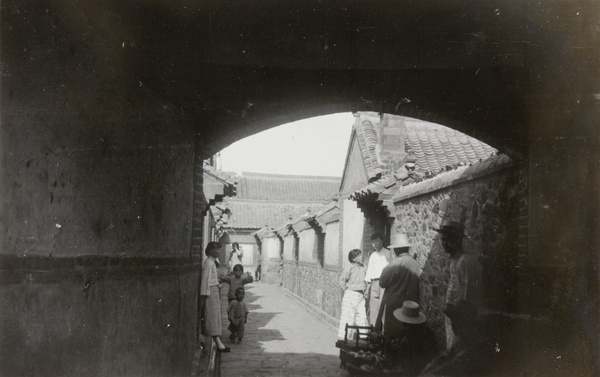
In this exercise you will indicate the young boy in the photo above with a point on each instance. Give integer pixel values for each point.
(236, 281)
(258, 271)
(352, 282)
(237, 312)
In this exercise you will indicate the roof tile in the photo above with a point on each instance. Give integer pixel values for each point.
(289, 188)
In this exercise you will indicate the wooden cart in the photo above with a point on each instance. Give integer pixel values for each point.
(362, 355)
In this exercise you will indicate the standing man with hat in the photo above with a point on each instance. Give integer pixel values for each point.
(378, 259)
(400, 279)
(465, 354)
(463, 296)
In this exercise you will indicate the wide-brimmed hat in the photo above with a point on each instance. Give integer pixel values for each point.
(399, 240)
(409, 313)
(452, 228)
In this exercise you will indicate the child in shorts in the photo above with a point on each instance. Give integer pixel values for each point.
(237, 312)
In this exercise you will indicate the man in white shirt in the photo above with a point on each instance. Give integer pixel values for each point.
(377, 261)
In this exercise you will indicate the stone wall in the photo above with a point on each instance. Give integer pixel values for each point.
(490, 206)
(489, 198)
(316, 285)
(270, 271)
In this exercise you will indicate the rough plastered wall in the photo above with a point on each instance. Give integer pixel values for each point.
(96, 186)
(95, 261)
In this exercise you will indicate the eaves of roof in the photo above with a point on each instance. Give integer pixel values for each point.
(330, 213)
(454, 176)
(265, 232)
(385, 186)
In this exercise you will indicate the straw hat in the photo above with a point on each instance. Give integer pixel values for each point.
(409, 313)
(399, 240)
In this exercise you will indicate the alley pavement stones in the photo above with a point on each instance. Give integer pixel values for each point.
(282, 339)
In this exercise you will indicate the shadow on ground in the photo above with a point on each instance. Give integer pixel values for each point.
(251, 358)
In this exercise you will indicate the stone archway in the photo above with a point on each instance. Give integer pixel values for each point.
(109, 107)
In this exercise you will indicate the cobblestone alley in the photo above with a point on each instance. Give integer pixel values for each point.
(282, 339)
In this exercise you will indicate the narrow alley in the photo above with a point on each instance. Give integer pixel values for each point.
(283, 338)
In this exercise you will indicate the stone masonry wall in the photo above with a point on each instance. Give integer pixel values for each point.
(316, 286)
(490, 199)
(490, 207)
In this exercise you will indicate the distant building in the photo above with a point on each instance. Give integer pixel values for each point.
(263, 201)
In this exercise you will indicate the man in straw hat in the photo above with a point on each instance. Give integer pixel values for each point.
(400, 279)
(414, 345)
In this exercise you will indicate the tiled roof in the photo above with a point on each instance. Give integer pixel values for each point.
(227, 177)
(367, 142)
(435, 147)
(286, 188)
(382, 190)
(217, 184)
(452, 177)
(432, 145)
(247, 214)
(265, 232)
(329, 214)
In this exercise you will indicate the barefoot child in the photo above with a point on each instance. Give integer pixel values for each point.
(237, 312)
(353, 283)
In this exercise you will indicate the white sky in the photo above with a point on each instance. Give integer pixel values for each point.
(314, 146)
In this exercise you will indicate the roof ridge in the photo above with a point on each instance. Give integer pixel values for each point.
(235, 199)
(288, 176)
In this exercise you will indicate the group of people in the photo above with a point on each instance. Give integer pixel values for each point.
(386, 296)
(210, 295)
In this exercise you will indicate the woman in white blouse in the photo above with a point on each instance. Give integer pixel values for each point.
(210, 293)
(236, 256)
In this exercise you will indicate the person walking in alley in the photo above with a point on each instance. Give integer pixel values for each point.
(210, 294)
(352, 282)
(237, 312)
(400, 280)
(236, 280)
(236, 256)
(377, 261)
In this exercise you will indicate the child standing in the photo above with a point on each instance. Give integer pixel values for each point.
(237, 312)
(353, 283)
(258, 271)
(236, 281)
